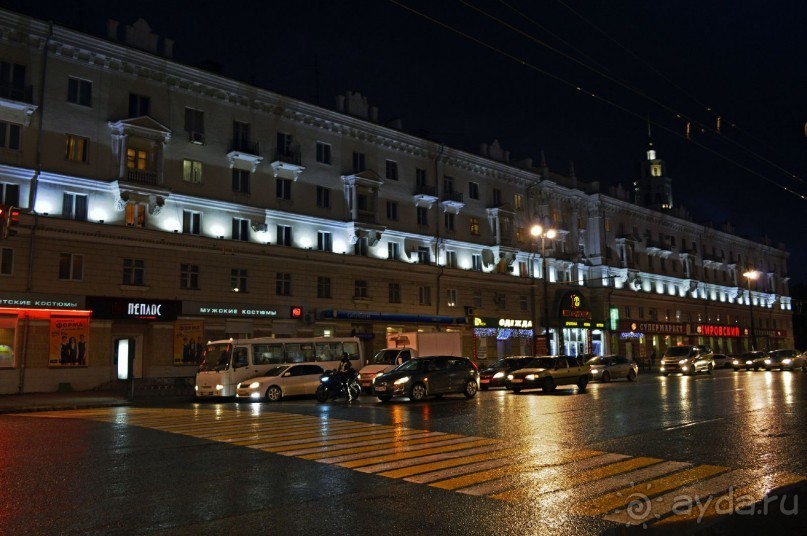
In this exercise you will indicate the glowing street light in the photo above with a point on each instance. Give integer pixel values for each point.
(539, 232)
(749, 275)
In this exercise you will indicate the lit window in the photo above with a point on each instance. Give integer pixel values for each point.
(77, 148)
(192, 171)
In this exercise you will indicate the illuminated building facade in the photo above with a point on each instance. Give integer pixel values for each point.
(164, 205)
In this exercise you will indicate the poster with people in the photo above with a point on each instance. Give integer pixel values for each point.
(189, 342)
(69, 341)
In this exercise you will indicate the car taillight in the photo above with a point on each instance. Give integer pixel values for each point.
(473, 364)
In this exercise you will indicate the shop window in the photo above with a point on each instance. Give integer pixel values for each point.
(6, 261)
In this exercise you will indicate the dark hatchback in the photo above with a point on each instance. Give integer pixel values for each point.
(496, 374)
(425, 376)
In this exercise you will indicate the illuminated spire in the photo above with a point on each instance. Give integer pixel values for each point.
(651, 152)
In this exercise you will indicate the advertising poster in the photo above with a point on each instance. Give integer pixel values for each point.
(69, 341)
(6, 346)
(188, 342)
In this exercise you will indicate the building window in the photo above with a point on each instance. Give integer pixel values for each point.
(323, 197)
(133, 271)
(191, 222)
(71, 266)
(476, 262)
(520, 235)
(283, 284)
(323, 287)
(392, 210)
(423, 216)
(451, 297)
(393, 250)
(451, 259)
(241, 229)
(6, 261)
(420, 177)
(449, 221)
(627, 311)
(323, 153)
(79, 91)
(391, 170)
(519, 202)
(500, 299)
(361, 248)
(240, 181)
(474, 226)
(195, 125)
(10, 194)
(360, 289)
(12, 81)
(324, 241)
(473, 190)
(135, 214)
(285, 144)
(192, 172)
(74, 206)
(395, 293)
(189, 276)
(238, 280)
(136, 159)
(448, 184)
(523, 302)
(497, 197)
(358, 162)
(10, 135)
(284, 235)
(77, 148)
(425, 295)
(477, 299)
(423, 255)
(283, 187)
(139, 105)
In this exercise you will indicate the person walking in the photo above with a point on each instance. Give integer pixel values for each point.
(652, 359)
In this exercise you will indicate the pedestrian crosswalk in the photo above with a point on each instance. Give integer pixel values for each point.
(623, 489)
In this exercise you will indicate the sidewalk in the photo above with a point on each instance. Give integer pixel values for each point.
(29, 402)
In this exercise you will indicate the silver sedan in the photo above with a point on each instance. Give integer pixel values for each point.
(608, 367)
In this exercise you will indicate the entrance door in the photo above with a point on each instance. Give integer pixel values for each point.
(125, 352)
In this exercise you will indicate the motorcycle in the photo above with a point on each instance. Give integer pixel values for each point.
(333, 385)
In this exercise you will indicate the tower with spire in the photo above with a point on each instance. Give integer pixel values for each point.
(653, 187)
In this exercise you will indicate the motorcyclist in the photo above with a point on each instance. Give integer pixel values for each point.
(344, 370)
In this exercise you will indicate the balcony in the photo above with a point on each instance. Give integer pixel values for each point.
(287, 164)
(425, 196)
(16, 104)
(452, 201)
(17, 93)
(139, 176)
(243, 154)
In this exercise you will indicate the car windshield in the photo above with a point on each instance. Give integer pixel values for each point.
(677, 351)
(414, 364)
(216, 357)
(385, 357)
(597, 361)
(276, 371)
(541, 362)
(750, 355)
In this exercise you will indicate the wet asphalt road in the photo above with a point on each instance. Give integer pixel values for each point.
(501, 463)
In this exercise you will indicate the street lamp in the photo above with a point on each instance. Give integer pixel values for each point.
(749, 275)
(539, 232)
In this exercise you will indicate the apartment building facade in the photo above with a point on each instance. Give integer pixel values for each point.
(163, 206)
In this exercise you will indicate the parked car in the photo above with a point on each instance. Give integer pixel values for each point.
(723, 361)
(746, 360)
(496, 374)
(281, 381)
(548, 372)
(608, 367)
(424, 376)
(787, 359)
(687, 359)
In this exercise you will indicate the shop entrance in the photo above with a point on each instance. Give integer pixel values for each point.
(125, 359)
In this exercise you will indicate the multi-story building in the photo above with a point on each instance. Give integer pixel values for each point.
(164, 205)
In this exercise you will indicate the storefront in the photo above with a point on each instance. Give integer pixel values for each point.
(494, 337)
(581, 332)
(45, 342)
(637, 339)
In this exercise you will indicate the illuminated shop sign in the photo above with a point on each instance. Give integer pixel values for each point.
(40, 301)
(714, 330)
(584, 325)
(227, 309)
(666, 328)
(573, 305)
(502, 323)
(628, 335)
(133, 309)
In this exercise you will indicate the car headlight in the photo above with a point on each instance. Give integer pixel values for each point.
(509, 376)
(254, 395)
(749, 362)
(595, 371)
(325, 378)
(785, 361)
(254, 385)
(401, 381)
(767, 361)
(219, 387)
(682, 362)
(498, 375)
(529, 377)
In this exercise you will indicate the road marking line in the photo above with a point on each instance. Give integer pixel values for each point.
(427, 464)
(329, 443)
(416, 453)
(340, 453)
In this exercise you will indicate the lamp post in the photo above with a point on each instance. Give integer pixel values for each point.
(539, 232)
(749, 275)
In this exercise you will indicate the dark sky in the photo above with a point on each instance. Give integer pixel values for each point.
(468, 72)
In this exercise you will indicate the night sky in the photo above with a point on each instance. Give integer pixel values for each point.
(470, 72)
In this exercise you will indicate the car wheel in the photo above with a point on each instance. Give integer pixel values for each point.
(471, 387)
(709, 369)
(384, 398)
(273, 394)
(582, 381)
(418, 392)
(548, 385)
(606, 376)
(631, 375)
